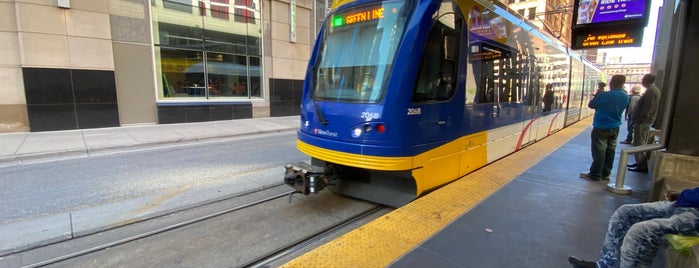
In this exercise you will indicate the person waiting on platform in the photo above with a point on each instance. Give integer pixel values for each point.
(636, 231)
(608, 105)
(600, 88)
(643, 118)
(633, 100)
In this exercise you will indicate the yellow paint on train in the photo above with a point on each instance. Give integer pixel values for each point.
(450, 161)
(430, 169)
(356, 160)
(337, 3)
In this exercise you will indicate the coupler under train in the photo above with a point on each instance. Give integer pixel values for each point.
(307, 179)
(392, 188)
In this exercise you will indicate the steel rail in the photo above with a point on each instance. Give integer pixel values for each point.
(299, 244)
(153, 232)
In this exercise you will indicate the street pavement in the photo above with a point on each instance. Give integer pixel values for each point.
(18, 148)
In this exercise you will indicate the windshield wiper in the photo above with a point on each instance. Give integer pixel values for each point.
(321, 116)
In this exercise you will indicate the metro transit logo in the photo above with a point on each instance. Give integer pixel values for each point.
(324, 132)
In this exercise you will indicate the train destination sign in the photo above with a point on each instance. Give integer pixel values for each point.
(358, 16)
(609, 23)
(607, 40)
(627, 38)
(601, 11)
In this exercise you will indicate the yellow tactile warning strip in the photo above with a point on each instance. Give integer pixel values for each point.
(382, 241)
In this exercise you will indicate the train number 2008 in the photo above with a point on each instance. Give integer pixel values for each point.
(414, 111)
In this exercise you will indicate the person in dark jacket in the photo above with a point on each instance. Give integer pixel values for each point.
(643, 118)
(608, 105)
(633, 100)
(637, 230)
(548, 98)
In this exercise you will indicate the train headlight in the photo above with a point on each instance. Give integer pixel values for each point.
(357, 132)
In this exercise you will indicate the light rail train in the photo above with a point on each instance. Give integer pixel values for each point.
(402, 97)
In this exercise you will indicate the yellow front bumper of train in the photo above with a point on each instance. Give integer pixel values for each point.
(430, 169)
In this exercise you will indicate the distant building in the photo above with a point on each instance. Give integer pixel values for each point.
(551, 16)
(89, 64)
(634, 72)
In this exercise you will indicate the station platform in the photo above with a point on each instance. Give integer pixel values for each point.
(529, 209)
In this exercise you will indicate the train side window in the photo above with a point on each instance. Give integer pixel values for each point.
(437, 74)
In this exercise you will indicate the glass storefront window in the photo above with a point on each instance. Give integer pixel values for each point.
(180, 5)
(208, 49)
(255, 77)
(228, 75)
(178, 77)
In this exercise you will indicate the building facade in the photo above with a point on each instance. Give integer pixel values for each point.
(552, 16)
(634, 72)
(75, 64)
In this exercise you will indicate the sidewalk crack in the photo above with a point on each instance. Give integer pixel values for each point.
(22, 143)
(72, 233)
(87, 148)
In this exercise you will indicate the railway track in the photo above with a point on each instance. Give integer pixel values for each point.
(152, 232)
(104, 248)
(295, 247)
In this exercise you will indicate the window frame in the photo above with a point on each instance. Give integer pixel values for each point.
(444, 84)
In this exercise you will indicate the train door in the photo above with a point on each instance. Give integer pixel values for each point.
(502, 84)
(435, 87)
(575, 92)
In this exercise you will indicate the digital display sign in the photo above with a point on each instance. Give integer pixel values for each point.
(359, 16)
(623, 38)
(609, 23)
(601, 11)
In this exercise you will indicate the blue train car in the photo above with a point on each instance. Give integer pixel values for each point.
(401, 97)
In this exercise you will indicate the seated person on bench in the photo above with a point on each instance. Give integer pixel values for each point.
(636, 231)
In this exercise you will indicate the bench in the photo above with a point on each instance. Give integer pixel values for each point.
(683, 251)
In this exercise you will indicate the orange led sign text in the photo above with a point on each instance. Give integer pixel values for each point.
(363, 16)
(603, 40)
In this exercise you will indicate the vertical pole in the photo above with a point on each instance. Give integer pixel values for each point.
(618, 186)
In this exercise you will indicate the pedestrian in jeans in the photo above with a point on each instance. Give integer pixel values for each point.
(636, 231)
(643, 117)
(633, 100)
(608, 105)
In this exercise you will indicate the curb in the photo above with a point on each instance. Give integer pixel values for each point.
(87, 152)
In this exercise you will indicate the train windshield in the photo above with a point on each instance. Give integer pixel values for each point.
(357, 53)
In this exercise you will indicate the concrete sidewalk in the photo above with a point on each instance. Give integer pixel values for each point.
(16, 148)
(25, 146)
